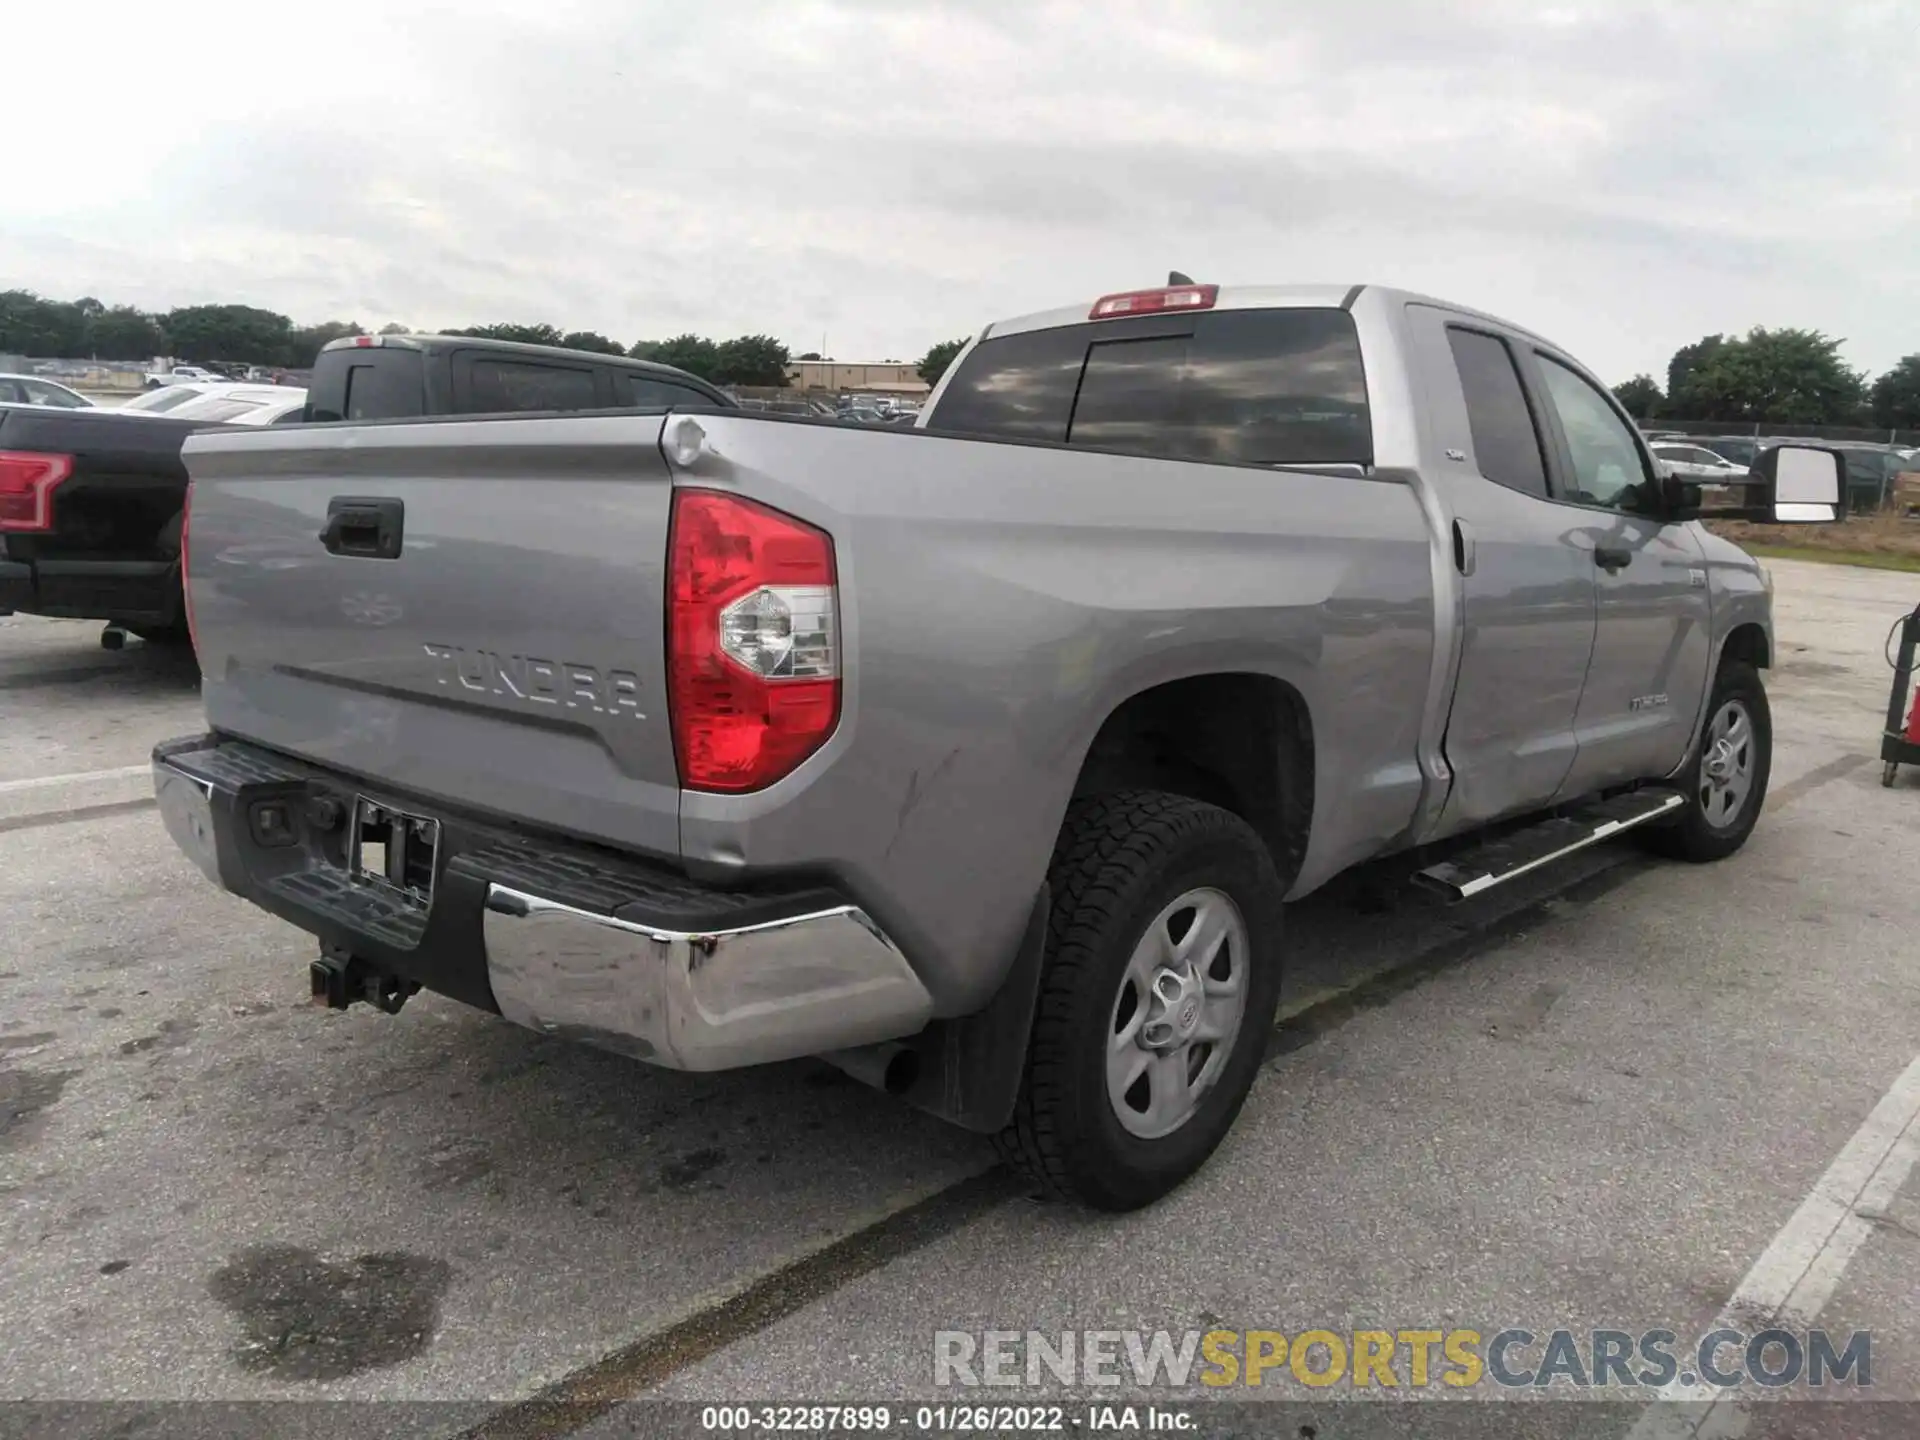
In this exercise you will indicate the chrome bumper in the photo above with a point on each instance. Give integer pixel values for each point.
(715, 1000)
(186, 807)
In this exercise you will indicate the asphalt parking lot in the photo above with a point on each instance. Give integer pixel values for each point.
(1612, 1100)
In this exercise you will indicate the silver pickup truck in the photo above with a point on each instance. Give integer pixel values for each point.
(977, 757)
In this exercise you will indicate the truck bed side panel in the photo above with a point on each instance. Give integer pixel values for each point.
(999, 601)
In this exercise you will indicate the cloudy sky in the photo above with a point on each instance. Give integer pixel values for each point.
(886, 173)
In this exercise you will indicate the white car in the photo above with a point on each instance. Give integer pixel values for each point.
(181, 375)
(245, 405)
(1695, 462)
(225, 400)
(33, 390)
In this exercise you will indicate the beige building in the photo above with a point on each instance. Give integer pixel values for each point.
(839, 376)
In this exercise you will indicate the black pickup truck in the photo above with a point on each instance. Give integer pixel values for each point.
(91, 501)
(385, 377)
(90, 507)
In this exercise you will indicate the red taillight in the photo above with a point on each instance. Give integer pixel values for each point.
(363, 342)
(1147, 302)
(186, 580)
(753, 649)
(27, 481)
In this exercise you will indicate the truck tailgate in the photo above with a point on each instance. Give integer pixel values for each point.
(479, 621)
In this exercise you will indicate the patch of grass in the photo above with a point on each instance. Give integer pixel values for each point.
(1880, 542)
(1864, 558)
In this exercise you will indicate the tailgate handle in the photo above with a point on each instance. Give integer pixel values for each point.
(368, 527)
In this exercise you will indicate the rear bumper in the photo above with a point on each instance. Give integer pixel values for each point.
(560, 937)
(141, 592)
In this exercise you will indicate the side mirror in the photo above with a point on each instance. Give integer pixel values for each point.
(1802, 485)
(1788, 485)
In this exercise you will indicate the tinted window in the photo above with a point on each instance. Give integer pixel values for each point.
(1506, 446)
(496, 385)
(1606, 462)
(1016, 387)
(1247, 387)
(11, 392)
(645, 390)
(384, 386)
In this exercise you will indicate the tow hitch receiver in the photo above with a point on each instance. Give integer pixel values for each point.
(340, 979)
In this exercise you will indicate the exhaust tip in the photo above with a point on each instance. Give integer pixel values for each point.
(902, 1070)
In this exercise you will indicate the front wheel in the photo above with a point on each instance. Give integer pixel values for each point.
(1725, 779)
(1161, 980)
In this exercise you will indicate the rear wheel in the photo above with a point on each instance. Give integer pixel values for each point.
(1725, 781)
(1161, 980)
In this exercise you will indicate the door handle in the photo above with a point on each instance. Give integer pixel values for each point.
(1463, 556)
(1612, 557)
(365, 527)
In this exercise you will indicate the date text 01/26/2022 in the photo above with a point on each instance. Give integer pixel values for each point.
(940, 1419)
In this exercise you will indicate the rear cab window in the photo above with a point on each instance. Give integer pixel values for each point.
(1239, 387)
(388, 384)
(486, 384)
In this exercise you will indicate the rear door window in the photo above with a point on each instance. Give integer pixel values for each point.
(1245, 387)
(646, 390)
(494, 385)
(1506, 443)
(40, 393)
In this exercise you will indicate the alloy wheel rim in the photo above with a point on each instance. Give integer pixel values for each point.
(1727, 764)
(1177, 1012)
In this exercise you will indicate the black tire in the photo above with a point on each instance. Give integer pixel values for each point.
(1696, 836)
(1120, 861)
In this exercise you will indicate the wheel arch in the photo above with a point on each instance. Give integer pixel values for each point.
(1237, 739)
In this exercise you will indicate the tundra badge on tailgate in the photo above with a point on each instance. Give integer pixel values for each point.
(565, 684)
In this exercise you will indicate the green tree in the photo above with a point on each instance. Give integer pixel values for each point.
(1896, 395)
(695, 354)
(1782, 376)
(645, 349)
(303, 344)
(394, 327)
(30, 324)
(1641, 396)
(124, 333)
(228, 332)
(519, 334)
(934, 363)
(592, 340)
(1685, 361)
(808, 355)
(751, 360)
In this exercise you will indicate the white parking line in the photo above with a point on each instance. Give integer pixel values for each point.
(123, 772)
(1796, 1275)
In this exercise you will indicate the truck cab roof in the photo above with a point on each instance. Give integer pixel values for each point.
(1260, 297)
(446, 344)
(387, 377)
